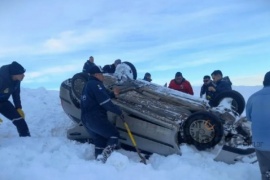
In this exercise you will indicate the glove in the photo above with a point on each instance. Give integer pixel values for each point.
(20, 111)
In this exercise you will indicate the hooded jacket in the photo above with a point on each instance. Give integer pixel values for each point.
(9, 87)
(183, 86)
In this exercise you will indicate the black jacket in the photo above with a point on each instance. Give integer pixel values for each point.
(95, 101)
(87, 66)
(204, 90)
(9, 87)
(109, 68)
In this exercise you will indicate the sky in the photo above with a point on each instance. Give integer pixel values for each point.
(53, 39)
(49, 155)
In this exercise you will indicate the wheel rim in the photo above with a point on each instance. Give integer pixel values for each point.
(202, 131)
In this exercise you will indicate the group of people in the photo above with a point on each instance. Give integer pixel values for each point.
(96, 101)
(210, 88)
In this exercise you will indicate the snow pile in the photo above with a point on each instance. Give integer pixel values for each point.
(48, 154)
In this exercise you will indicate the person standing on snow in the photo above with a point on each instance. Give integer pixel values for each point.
(258, 112)
(221, 85)
(88, 65)
(181, 84)
(207, 82)
(11, 76)
(147, 77)
(95, 102)
(111, 68)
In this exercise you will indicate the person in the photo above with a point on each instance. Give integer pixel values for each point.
(221, 85)
(258, 112)
(111, 68)
(147, 77)
(207, 82)
(88, 65)
(179, 83)
(11, 76)
(95, 102)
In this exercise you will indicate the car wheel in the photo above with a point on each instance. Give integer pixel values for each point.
(77, 84)
(235, 99)
(203, 129)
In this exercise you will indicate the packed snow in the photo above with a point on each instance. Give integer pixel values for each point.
(48, 154)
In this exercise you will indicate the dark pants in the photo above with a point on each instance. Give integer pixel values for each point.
(264, 163)
(103, 132)
(9, 111)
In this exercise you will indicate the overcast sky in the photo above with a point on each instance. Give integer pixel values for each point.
(53, 39)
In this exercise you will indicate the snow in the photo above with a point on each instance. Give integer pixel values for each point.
(48, 154)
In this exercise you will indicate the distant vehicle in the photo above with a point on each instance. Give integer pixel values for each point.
(161, 118)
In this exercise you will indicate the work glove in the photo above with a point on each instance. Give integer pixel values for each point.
(20, 111)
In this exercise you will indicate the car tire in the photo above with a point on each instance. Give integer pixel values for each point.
(77, 84)
(203, 130)
(238, 102)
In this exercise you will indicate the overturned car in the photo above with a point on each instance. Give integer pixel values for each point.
(161, 119)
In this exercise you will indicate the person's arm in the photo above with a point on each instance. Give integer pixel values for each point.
(17, 97)
(104, 100)
(249, 109)
(189, 88)
(203, 91)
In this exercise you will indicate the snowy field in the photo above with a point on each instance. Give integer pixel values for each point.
(48, 154)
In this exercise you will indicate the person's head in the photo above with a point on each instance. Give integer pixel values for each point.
(178, 77)
(91, 59)
(147, 77)
(117, 61)
(16, 71)
(266, 81)
(216, 75)
(97, 72)
(206, 79)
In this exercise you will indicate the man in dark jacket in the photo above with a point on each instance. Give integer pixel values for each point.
(147, 77)
(111, 68)
(207, 82)
(88, 65)
(222, 84)
(95, 102)
(11, 76)
(179, 83)
(258, 112)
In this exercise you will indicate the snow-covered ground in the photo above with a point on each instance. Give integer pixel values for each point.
(48, 154)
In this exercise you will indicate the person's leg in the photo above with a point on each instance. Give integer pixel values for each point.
(9, 111)
(264, 163)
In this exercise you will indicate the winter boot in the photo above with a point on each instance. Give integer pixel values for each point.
(106, 153)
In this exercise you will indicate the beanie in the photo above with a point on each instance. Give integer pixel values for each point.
(266, 81)
(15, 68)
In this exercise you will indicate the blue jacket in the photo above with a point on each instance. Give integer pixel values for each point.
(87, 66)
(258, 112)
(9, 87)
(95, 101)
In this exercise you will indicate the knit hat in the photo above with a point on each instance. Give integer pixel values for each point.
(117, 61)
(15, 68)
(95, 69)
(266, 81)
(178, 74)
